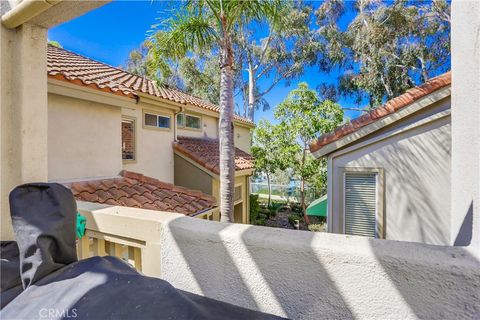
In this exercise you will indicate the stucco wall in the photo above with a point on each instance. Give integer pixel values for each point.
(154, 152)
(239, 181)
(209, 128)
(305, 275)
(84, 139)
(23, 112)
(189, 176)
(242, 138)
(415, 158)
(466, 123)
(299, 274)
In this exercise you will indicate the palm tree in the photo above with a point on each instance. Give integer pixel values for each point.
(209, 25)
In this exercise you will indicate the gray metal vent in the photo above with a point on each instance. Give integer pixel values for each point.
(360, 204)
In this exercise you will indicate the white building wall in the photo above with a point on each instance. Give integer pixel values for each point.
(466, 123)
(243, 138)
(415, 157)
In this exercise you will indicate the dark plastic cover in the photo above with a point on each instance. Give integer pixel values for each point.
(57, 286)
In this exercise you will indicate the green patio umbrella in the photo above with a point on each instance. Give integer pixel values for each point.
(318, 207)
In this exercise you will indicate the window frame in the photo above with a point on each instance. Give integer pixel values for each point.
(176, 120)
(380, 221)
(184, 126)
(134, 121)
(157, 114)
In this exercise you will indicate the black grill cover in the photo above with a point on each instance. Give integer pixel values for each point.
(57, 286)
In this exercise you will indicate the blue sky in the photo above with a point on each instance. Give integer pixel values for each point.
(109, 33)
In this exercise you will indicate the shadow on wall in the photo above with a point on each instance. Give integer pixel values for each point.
(416, 170)
(432, 292)
(305, 275)
(464, 236)
(252, 270)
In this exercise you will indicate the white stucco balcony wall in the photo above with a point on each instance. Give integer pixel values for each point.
(300, 274)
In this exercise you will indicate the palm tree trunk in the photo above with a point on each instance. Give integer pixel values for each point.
(226, 145)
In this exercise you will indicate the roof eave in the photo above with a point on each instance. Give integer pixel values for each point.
(215, 175)
(414, 107)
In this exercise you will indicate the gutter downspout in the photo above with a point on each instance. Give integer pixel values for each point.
(182, 110)
(25, 11)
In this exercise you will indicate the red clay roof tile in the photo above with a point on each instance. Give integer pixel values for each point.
(71, 67)
(136, 190)
(388, 108)
(205, 152)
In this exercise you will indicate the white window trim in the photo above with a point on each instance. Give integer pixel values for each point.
(184, 126)
(134, 120)
(157, 114)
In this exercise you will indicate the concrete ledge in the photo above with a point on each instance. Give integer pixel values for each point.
(305, 275)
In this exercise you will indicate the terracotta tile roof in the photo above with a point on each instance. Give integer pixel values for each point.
(69, 66)
(206, 153)
(132, 189)
(390, 107)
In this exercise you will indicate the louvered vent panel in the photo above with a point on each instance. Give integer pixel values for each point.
(360, 204)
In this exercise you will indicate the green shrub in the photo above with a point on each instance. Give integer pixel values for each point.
(260, 222)
(297, 208)
(321, 227)
(293, 217)
(254, 207)
(275, 205)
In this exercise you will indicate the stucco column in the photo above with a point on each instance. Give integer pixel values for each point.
(465, 123)
(23, 113)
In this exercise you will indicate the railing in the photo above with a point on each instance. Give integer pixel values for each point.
(123, 233)
(95, 243)
(336, 276)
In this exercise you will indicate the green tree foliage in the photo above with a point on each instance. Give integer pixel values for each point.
(387, 48)
(209, 26)
(55, 43)
(138, 61)
(280, 56)
(289, 46)
(272, 150)
(303, 117)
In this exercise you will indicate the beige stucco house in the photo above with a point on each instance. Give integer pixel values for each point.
(103, 120)
(389, 170)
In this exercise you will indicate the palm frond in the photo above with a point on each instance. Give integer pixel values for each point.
(185, 32)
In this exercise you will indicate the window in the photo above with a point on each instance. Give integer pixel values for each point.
(361, 204)
(128, 139)
(157, 120)
(181, 120)
(189, 121)
(192, 122)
